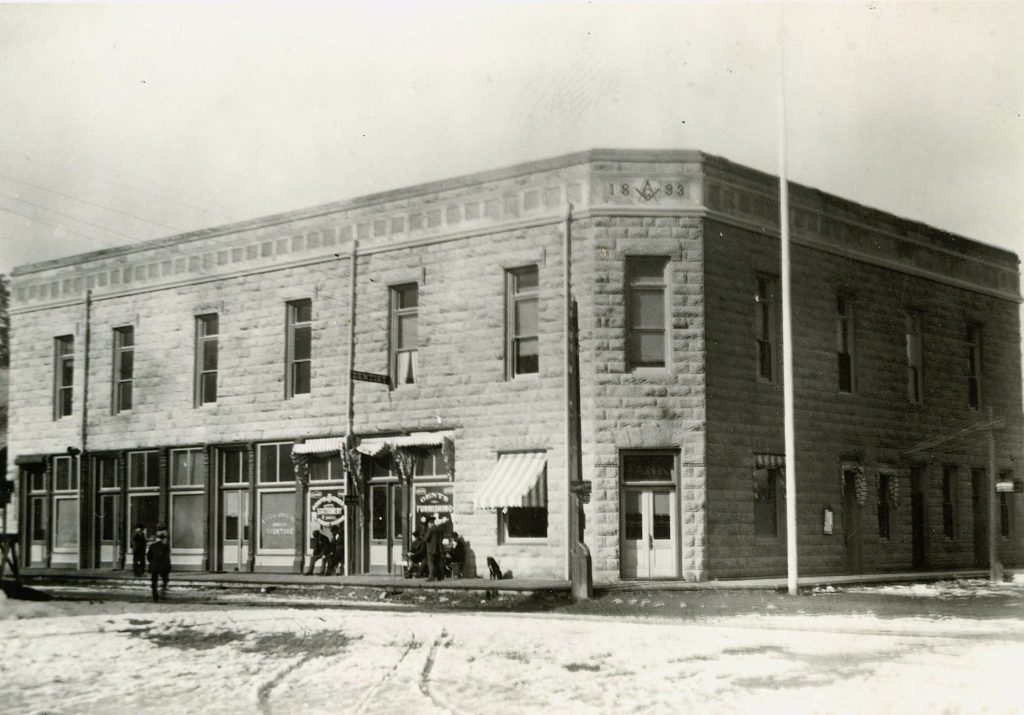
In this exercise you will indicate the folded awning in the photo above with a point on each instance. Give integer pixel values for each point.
(372, 446)
(769, 461)
(325, 445)
(518, 479)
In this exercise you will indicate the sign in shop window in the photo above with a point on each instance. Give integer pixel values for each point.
(327, 508)
(434, 498)
(277, 520)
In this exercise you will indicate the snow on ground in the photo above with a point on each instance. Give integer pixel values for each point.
(167, 657)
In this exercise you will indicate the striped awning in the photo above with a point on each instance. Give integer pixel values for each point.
(769, 461)
(326, 445)
(372, 446)
(518, 479)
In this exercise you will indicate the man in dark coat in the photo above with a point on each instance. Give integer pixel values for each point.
(336, 551)
(435, 551)
(321, 550)
(139, 550)
(159, 562)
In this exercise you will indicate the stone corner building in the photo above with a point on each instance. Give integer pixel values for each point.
(202, 380)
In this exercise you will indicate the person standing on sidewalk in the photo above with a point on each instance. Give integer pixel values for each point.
(139, 550)
(159, 562)
(435, 552)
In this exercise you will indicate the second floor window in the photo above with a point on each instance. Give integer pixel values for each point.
(206, 358)
(522, 347)
(844, 342)
(646, 314)
(124, 368)
(405, 301)
(974, 366)
(299, 347)
(913, 331)
(766, 326)
(63, 376)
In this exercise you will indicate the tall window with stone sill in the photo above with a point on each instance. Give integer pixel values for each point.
(124, 368)
(913, 347)
(766, 325)
(63, 375)
(299, 345)
(646, 311)
(522, 320)
(404, 334)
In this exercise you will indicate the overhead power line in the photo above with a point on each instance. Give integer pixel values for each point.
(69, 216)
(90, 203)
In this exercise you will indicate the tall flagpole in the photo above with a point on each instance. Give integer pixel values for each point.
(787, 328)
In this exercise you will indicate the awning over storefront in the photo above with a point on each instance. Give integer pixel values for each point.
(27, 459)
(372, 446)
(518, 479)
(326, 445)
(769, 461)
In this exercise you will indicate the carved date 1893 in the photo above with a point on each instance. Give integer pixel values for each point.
(647, 191)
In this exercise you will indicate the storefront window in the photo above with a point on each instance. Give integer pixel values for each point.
(277, 520)
(188, 518)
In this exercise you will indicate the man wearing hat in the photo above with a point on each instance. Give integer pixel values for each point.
(159, 558)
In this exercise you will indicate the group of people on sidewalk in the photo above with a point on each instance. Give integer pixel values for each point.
(329, 550)
(157, 553)
(436, 551)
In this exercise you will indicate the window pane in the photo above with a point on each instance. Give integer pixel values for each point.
(126, 364)
(407, 331)
(648, 269)
(527, 358)
(180, 464)
(662, 527)
(65, 402)
(318, 469)
(648, 468)
(62, 475)
(408, 297)
(300, 378)
(210, 354)
(232, 463)
(648, 309)
(67, 372)
(210, 324)
(67, 523)
(526, 321)
(39, 519)
(108, 517)
(765, 513)
(188, 518)
(277, 520)
(125, 337)
(124, 396)
(301, 347)
(633, 516)
(379, 512)
(302, 311)
(526, 279)
(398, 522)
(268, 463)
(647, 348)
(152, 469)
(208, 387)
(527, 522)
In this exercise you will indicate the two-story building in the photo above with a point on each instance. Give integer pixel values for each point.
(205, 380)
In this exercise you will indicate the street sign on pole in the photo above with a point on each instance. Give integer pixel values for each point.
(371, 377)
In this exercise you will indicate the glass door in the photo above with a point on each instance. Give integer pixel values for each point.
(235, 529)
(386, 526)
(648, 536)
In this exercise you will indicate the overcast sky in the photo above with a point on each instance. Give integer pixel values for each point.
(124, 123)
